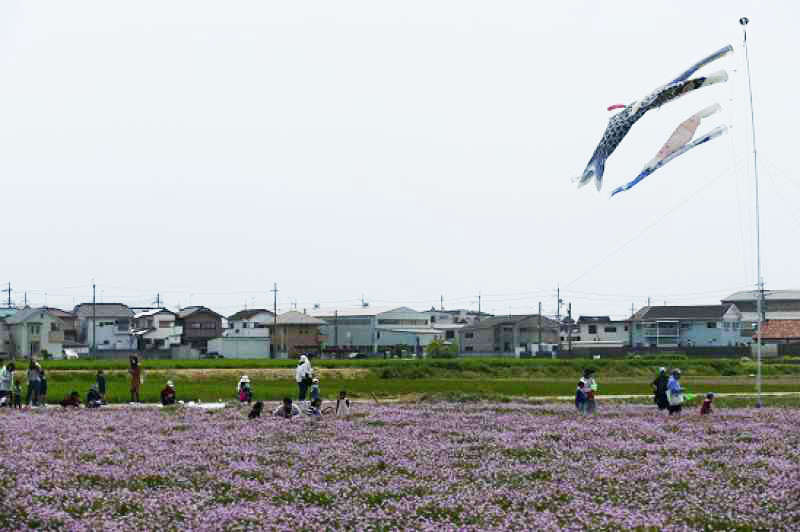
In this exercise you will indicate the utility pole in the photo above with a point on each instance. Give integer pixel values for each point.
(336, 328)
(158, 301)
(569, 327)
(274, 317)
(630, 326)
(441, 302)
(479, 306)
(540, 327)
(9, 294)
(94, 318)
(558, 304)
(648, 301)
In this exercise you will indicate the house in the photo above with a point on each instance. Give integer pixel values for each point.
(779, 332)
(688, 326)
(71, 323)
(509, 334)
(156, 330)
(250, 323)
(778, 305)
(35, 332)
(596, 331)
(247, 335)
(297, 333)
(106, 326)
(369, 329)
(200, 324)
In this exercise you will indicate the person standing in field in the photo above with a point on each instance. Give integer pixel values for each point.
(343, 404)
(580, 398)
(244, 391)
(674, 392)
(590, 387)
(303, 376)
(7, 384)
(42, 387)
(101, 384)
(659, 385)
(136, 378)
(34, 379)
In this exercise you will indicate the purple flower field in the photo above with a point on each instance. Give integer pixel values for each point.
(474, 466)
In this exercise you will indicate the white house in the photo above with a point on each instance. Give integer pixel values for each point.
(110, 323)
(156, 329)
(34, 331)
(250, 323)
(598, 331)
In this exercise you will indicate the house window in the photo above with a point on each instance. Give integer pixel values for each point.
(194, 325)
(209, 325)
(468, 349)
(449, 335)
(711, 325)
(244, 325)
(610, 329)
(164, 324)
(469, 335)
(626, 327)
(592, 329)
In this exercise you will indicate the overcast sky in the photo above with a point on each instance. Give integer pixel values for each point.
(401, 151)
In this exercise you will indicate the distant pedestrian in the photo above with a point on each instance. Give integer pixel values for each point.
(580, 398)
(7, 384)
(342, 404)
(243, 390)
(303, 375)
(136, 378)
(72, 400)
(34, 374)
(101, 384)
(590, 387)
(256, 410)
(287, 409)
(674, 392)
(42, 387)
(705, 408)
(659, 385)
(17, 402)
(168, 394)
(93, 398)
(315, 390)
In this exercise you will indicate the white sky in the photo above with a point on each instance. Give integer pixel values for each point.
(402, 151)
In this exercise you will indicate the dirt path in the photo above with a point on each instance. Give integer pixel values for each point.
(253, 373)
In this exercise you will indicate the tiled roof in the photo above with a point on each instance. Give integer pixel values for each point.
(494, 321)
(103, 310)
(25, 314)
(248, 313)
(153, 312)
(780, 329)
(769, 295)
(357, 311)
(594, 319)
(188, 311)
(298, 318)
(682, 312)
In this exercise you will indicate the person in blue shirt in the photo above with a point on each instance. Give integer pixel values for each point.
(580, 398)
(674, 392)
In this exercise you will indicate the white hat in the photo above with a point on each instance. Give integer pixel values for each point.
(244, 378)
(170, 385)
(315, 381)
(662, 369)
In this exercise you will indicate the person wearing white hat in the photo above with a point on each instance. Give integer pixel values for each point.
(244, 390)
(315, 390)
(168, 394)
(659, 385)
(674, 392)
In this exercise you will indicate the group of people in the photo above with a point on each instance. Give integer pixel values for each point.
(11, 387)
(669, 395)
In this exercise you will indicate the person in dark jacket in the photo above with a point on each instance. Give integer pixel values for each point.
(93, 398)
(580, 397)
(101, 384)
(659, 385)
(72, 400)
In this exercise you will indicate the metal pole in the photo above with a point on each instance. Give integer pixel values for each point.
(759, 281)
(94, 319)
(540, 327)
(274, 319)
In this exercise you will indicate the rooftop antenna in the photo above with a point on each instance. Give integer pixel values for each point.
(9, 294)
(744, 21)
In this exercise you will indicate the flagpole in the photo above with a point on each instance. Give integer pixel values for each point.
(760, 282)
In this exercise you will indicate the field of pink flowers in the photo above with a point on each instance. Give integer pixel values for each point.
(473, 466)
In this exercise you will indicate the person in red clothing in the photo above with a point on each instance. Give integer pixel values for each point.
(168, 394)
(705, 408)
(136, 377)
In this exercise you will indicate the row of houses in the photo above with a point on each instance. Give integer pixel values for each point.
(196, 330)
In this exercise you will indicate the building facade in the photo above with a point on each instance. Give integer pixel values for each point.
(688, 326)
(35, 332)
(297, 333)
(509, 334)
(157, 330)
(250, 323)
(200, 324)
(106, 326)
(596, 331)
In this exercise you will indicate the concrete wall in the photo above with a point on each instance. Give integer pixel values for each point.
(240, 347)
(109, 335)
